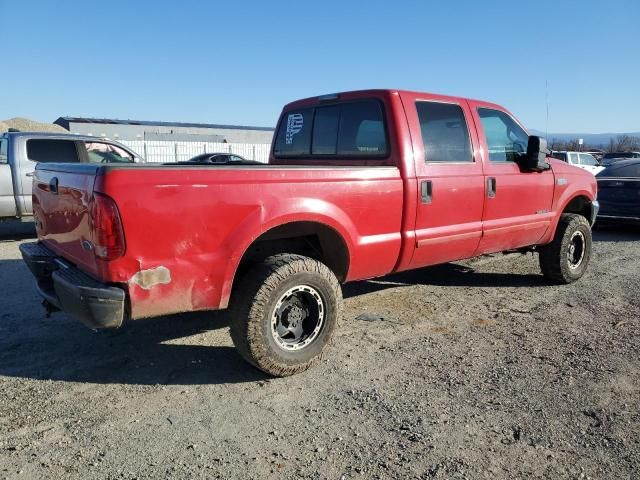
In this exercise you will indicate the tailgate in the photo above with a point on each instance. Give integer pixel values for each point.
(62, 196)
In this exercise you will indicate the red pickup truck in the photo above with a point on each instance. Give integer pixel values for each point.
(358, 185)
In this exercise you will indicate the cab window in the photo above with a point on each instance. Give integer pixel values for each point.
(444, 132)
(506, 140)
(344, 130)
(588, 159)
(100, 152)
(52, 150)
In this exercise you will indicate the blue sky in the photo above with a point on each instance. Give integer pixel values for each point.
(239, 62)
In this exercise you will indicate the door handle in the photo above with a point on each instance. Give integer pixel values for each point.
(30, 174)
(491, 187)
(426, 191)
(53, 185)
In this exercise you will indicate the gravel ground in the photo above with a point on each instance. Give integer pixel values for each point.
(468, 370)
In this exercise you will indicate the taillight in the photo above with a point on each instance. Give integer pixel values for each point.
(108, 237)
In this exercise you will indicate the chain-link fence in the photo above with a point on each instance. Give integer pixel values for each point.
(165, 151)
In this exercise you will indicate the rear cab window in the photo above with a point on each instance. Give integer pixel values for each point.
(353, 130)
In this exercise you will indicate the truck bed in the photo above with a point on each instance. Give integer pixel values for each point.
(186, 227)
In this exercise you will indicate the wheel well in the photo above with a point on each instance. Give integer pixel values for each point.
(580, 205)
(311, 239)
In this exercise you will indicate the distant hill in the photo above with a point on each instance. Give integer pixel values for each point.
(593, 139)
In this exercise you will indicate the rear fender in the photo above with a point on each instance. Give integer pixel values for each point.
(265, 219)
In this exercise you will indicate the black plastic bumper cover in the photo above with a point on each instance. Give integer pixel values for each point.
(95, 304)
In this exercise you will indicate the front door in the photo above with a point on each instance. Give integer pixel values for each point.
(517, 204)
(450, 183)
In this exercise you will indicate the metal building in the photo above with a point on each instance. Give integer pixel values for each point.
(134, 130)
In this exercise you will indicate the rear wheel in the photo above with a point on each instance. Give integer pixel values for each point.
(565, 259)
(283, 313)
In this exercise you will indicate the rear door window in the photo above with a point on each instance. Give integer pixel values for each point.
(444, 132)
(344, 130)
(50, 150)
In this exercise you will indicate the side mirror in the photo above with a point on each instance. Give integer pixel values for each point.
(535, 160)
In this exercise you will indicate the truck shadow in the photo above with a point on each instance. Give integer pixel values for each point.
(185, 349)
(446, 275)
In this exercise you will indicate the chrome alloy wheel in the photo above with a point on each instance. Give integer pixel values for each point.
(297, 318)
(576, 249)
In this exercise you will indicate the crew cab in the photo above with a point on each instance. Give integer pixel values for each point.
(359, 185)
(21, 151)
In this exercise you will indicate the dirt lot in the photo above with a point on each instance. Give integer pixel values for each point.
(469, 370)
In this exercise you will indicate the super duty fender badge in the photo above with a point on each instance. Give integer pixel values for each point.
(295, 122)
(561, 181)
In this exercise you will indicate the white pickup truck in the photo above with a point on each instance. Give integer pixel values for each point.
(583, 160)
(21, 151)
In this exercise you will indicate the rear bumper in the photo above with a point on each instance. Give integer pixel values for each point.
(62, 285)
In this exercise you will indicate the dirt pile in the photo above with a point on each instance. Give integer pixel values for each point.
(27, 125)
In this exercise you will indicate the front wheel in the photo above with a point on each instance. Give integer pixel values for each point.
(284, 312)
(565, 259)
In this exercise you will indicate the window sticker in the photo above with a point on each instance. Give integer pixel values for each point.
(295, 121)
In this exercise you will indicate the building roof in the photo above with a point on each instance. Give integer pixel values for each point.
(113, 121)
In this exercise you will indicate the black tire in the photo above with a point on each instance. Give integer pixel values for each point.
(565, 259)
(253, 313)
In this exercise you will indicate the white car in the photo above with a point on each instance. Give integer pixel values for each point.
(585, 161)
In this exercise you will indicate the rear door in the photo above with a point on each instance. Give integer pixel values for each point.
(449, 177)
(517, 204)
(42, 150)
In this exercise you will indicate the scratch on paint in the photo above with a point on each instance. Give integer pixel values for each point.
(153, 276)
